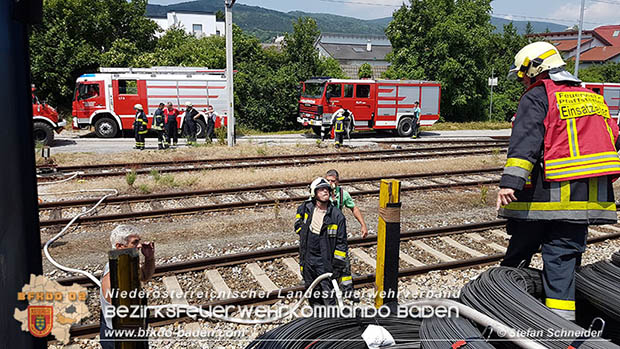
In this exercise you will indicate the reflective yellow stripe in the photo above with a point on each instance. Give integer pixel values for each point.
(340, 253)
(298, 229)
(305, 216)
(301, 268)
(561, 206)
(549, 162)
(297, 216)
(571, 130)
(565, 191)
(611, 134)
(593, 189)
(583, 173)
(560, 304)
(332, 227)
(584, 167)
(521, 163)
(579, 163)
(547, 54)
(345, 278)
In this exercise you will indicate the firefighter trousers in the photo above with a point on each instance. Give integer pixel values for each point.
(172, 130)
(190, 129)
(162, 139)
(339, 138)
(562, 245)
(139, 136)
(323, 293)
(210, 131)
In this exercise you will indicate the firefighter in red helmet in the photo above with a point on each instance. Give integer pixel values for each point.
(562, 159)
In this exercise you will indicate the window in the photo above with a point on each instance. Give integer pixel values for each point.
(616, 33)
(348, 91)
(128, 87)
(333, 90)
(362, 91)
(197, 28)
(87, 91)
(313, 90)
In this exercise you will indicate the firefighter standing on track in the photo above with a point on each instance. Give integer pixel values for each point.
(140, 126)
(322, 242)
(342, 124)
(172, 126)
(189, 123)
(558, 177)
(158, 126)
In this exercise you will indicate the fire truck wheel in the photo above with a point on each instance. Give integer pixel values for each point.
(43, 133)
(405, 127)
(316, 130)
(201, 128)
(106, 128)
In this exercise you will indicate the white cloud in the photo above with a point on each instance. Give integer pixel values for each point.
(595, 14)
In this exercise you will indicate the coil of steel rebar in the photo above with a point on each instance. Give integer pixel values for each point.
(449, 332)
(597, 295)
(506, 294)
(337, 333)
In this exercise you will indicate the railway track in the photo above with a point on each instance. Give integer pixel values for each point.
(275, 272)
(121, 169)
(188, 202)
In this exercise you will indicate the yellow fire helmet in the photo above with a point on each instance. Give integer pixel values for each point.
(534, 59)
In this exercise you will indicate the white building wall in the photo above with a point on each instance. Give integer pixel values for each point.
(199, 24)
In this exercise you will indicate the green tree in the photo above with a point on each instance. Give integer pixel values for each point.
(220, 16)
(445, 40)
(73, 36)
(529, 28)
(365, 71)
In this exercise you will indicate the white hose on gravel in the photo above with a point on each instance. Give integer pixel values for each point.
(111, 192)
(71, 176)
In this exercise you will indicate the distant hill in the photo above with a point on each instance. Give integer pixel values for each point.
(267, 24)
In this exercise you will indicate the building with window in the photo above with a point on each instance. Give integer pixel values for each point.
(599, 45)
(351, 51)
(197, 23)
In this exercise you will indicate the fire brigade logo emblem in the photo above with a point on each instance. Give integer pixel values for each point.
(40, 320)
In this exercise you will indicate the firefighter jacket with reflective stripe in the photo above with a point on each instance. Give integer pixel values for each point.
(158, 119)
(580, 134)
(141, 122)
(582, 200)
(342, 119)
(333, 238)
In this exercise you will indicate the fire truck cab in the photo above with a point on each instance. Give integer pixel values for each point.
(375, 104)
(45, 121)
(105, 100)
(610, 92)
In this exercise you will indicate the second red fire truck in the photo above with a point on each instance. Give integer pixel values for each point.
(375, 104)
(105, 100)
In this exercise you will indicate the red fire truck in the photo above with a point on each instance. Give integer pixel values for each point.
(105, 100)
(375, 104)
(45, 121)
(610, 91)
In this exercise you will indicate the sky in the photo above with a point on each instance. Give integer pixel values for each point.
(597, 12)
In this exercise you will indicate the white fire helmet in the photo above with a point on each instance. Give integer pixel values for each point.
(318, 183)
(534, 59)
(138, 107)
(188, 104)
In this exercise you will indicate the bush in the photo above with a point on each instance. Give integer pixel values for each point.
(130, 178)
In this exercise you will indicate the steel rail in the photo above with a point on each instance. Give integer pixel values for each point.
(194, 193)
(241, 163)
(245, 204)
(91, 330)
(268, 254)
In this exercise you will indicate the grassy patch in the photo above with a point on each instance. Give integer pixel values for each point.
(246, 131)
(475, 125)
(130, 178)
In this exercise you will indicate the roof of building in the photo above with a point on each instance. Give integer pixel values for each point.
(338, 38)
(600, 54)
(568, 45)
(611, 33)
(573, 33)
(356, 52)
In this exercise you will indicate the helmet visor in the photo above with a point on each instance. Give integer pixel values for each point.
(512, 73)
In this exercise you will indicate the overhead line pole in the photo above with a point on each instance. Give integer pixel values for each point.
(229, 74)
(583, 5)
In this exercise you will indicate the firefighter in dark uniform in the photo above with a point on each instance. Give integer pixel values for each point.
(557, 180)
(342, 124)
(322, 243)
(189, 123)
(140, 126)
(158, 127)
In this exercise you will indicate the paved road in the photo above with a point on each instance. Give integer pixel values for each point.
(81, 141)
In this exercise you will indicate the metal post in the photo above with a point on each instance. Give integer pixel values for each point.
(20, 242)
(229, 74)
(388, 245)
(583, 5)
(491, 105)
